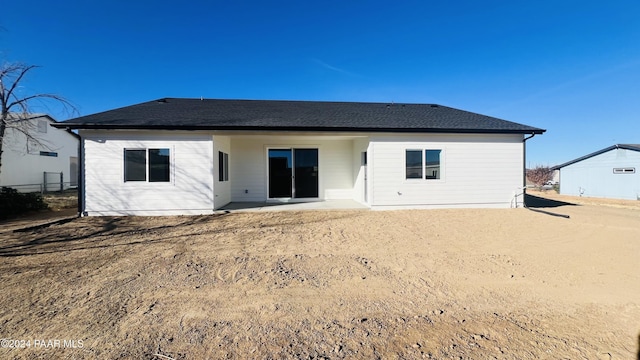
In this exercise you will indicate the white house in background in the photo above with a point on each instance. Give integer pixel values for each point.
(193, 156)
(51, 150)
(609, 173)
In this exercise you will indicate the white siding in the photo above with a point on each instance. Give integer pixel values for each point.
(222, 189)
(22, 163)
(249, 165)
(360, 145)
(190, 190)
(477, 171)
(248, 170)
(594, 176)
(336, 166)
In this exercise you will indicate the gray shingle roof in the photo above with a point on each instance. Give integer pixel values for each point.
(210, 114)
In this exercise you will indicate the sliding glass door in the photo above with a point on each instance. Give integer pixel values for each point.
(305, 173)
(293, 173)
(280, 174)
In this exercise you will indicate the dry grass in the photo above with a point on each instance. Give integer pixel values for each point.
(57, 201)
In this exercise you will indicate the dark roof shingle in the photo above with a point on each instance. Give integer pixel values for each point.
(211, 114)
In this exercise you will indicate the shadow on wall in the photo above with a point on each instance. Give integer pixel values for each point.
(638, 357)
(540, 202)
(119, 201)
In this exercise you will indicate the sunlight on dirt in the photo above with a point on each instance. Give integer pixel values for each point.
(506, 283)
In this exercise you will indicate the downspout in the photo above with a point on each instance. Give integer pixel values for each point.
(524, 185)
(524, 168)
(81, 177)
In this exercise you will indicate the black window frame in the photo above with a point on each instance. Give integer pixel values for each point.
(135, 165)
(223, 166)
(159, 164)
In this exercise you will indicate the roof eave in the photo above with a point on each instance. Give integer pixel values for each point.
(298, 129)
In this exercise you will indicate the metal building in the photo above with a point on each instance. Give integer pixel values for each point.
(612, 172)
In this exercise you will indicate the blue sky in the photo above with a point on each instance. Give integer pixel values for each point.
(571, 67)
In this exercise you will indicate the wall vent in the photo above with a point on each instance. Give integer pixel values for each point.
(628, 170)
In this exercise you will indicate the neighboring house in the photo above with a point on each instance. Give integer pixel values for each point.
(51, 150)
(555, 178)
(609, 173)
(192, 156)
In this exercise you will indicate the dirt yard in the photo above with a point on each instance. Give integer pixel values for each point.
(479, 284)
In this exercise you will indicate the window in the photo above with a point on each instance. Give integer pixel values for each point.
(158, 165)
(135, 165)
(414, 164)
(223, 166)
(629, 170)
(432, 164)
(425, 164)
(48, 153)
(42, 126)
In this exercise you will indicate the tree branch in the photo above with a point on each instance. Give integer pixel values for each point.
(20, 121)
(23, 70)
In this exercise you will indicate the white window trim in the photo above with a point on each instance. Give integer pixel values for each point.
(424, 179)
(172, 169)
(293, 146)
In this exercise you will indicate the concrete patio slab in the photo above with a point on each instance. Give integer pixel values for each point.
(294, 206)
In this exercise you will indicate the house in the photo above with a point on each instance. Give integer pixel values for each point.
(39, 161)
(608, 173)
(193, 156)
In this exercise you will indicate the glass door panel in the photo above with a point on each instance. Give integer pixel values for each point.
(306, 173)
(280, 173)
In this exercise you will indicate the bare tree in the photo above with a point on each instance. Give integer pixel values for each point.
(17, 110)
(540, 175)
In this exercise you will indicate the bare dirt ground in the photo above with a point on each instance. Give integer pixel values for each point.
(479, 284)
